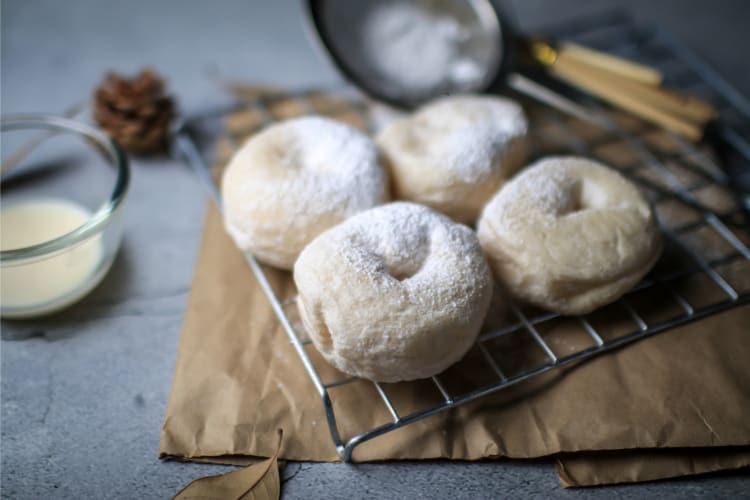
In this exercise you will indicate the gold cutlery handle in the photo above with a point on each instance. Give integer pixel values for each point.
(630, 86)
(612, 64)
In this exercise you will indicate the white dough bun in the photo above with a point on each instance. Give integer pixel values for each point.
(569, 235)
(295, 179)
(454, 153)
(398, 292)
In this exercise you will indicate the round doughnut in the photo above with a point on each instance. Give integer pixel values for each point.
(569, 235)
(398, 292)
(295, 179)
(453, 154)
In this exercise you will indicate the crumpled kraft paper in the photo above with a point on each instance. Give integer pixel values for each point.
(238, 379)
(620, 466)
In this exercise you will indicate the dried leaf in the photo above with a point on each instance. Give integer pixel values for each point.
(259, 481)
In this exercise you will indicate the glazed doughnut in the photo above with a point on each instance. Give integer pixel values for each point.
(453, 154)
(296, 179)
(569, 235)
(398, 292)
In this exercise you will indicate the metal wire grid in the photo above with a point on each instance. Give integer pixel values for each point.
(682, 174)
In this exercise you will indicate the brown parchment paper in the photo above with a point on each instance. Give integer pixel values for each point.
(652, 409)
(238, 379)
(621, 466)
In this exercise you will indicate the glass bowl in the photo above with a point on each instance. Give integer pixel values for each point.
(63, 190)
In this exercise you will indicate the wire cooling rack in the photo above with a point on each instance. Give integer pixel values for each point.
(705, 268)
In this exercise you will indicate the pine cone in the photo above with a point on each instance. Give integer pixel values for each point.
(135, 112)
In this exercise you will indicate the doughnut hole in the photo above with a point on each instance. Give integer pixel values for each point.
(571, 199)
(399, 257)
(403, 266)
(582, 195)
(402, 270)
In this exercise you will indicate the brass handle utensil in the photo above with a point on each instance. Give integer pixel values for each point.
(631, 86)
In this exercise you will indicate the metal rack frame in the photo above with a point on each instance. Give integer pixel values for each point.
(726, 226)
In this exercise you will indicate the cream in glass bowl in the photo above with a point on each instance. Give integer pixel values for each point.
(62, 195)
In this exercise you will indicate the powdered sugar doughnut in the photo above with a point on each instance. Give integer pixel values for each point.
(295, 179)
(453, 154)
(569, 235)
(398, 292)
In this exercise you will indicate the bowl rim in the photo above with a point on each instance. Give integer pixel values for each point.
(488, 15)
(104, 214)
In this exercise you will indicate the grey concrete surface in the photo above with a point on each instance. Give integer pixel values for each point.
(84, 391)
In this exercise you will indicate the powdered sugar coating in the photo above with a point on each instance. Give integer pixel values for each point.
(454, 153)
(397, 292)
(295, 179)
(423, 51)
(569, 234)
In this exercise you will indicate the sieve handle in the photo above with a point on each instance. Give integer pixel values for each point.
(611, 64)
(630, 86)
